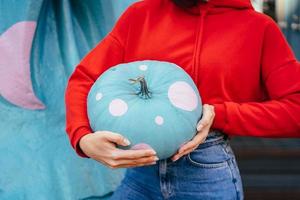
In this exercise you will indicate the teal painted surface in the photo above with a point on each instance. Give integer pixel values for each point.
(164, 119)
(36, 159)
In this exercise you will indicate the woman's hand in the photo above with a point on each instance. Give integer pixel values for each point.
(101, 146)
(203, 127)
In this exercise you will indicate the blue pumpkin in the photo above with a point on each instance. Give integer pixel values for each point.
(152, 103)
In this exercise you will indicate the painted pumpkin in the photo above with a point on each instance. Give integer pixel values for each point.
(152, 103)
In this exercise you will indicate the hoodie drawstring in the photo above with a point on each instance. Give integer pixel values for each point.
(198, 45)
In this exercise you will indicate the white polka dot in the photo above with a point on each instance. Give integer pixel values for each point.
(159, 120)
(183, 96)
(99, 96)
(118, 107)
(143, 67)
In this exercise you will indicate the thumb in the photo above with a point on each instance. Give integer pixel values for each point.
(117, 138)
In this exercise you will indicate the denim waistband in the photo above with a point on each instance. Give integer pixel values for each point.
(214, 137)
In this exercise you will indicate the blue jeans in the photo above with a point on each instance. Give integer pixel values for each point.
(209, 172)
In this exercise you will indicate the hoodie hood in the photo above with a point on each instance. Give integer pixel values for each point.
(235, 4)
(217, 6)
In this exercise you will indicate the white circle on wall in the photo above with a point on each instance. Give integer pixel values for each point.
(143, 67)
(118, 107)
(183, 96)
(99, 96)
(159, 120)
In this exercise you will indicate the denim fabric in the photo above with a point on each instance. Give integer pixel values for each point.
(209, 172)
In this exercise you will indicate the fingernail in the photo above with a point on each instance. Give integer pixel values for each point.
(126, 141)
(156, 158)
(153, 163)
(175, 159)
(199, 127)
(153, 152)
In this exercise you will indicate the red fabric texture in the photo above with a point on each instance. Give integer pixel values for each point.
(238, 58)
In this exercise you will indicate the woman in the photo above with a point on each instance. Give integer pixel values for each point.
(242, 65)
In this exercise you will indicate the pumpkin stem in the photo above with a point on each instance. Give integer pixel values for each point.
(144, 91)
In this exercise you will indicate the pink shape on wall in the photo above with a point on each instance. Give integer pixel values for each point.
(15, 81)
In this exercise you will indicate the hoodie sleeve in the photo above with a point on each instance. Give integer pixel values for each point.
(279, 116)
(109, 52)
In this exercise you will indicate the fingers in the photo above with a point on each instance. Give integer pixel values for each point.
(120, 154)
(203, 127)
(122, 161)
(102, 147)
(132, 163)
(208, 116)
(190, 146)
(119, 158)
(130, 166)
(198, 139)
(117, 138)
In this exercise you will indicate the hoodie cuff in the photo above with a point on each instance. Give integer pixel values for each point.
(77, 136)
(220, 119)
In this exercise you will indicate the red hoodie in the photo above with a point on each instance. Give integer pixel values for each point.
(238, 58)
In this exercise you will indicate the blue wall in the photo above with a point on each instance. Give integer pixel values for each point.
(36, 161)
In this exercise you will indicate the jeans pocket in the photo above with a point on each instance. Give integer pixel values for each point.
(209, 157)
